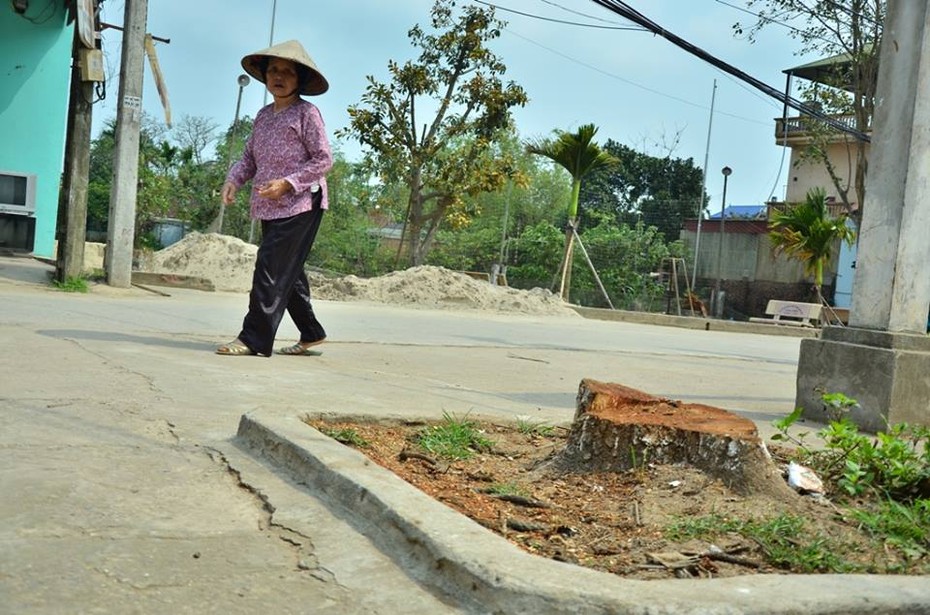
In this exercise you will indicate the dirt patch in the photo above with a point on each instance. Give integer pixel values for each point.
(619, 522)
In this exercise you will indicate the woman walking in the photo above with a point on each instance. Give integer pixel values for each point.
(286, 157)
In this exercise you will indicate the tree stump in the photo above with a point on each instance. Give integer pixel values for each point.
(617, 428)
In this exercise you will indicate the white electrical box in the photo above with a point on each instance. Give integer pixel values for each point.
(91, 65)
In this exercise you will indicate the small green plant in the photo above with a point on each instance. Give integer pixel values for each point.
(687, 528)
(528, 427)
(348, 436)
(507, 489)
(783, 539)
(454, 438)
(836, 405)
(895, 462)
(635, 462)
(782, 425)
(886, 476)
(71, 285)
(905, 527)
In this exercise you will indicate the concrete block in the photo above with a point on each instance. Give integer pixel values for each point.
(887, 373)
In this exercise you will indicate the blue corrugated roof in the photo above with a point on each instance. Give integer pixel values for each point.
(745, 212)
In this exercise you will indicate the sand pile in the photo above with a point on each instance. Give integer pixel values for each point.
(229, 261)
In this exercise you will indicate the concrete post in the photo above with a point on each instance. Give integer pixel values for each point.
(121, 231)
(894, 254)
(883, 358)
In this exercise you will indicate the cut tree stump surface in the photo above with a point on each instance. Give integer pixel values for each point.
(618, 428)
(622, 405)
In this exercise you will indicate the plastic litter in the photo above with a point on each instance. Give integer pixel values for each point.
(803, 480)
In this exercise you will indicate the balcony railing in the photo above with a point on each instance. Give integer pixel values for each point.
(797, 126)
(833, 208)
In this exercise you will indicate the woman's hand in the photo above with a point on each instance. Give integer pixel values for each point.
(274, 189)
(228, 193)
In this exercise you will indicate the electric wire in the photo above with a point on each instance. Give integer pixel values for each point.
(627, 12)
(629, 82)
(579, 13)
(767, 19)
(561, 21)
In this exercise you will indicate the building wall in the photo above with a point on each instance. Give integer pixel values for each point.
(35, 61)
(750, 273)
(807, 174)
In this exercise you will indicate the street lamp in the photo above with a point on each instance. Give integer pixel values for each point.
(718, 300)
(242, 80)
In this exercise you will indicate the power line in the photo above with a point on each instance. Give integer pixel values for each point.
(764, 18)
(627, 81)
(561, 21)
(767, 19)
(568, 10)
(627, 12)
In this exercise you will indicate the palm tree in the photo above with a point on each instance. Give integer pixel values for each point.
(576, 152)
(808, 233)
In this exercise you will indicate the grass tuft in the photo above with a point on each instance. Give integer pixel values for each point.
(71, 285)
(529, 427)
(347, 436)
(454, 438)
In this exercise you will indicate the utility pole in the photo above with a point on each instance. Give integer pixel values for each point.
(72, 211)
(121, 231)
(697, 240)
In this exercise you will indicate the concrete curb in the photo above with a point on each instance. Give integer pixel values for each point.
(695, 322)
(444, 549)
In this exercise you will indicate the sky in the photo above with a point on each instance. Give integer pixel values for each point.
(637, 88)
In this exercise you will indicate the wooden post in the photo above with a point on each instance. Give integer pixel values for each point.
(72, 211)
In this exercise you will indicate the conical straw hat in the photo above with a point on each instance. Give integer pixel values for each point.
(289, 50)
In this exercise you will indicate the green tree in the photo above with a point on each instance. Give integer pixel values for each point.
(100, 179)
(195, 133)
(534, 254)
(658, 191)
(346, 243)
(808, 233)
(172, 179)
(537, 193)
(229, 147)
(451, 155)
(577, 153)
(849, 32)
(624, 256)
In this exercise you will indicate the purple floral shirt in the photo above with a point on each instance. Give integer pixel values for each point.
(290, 144)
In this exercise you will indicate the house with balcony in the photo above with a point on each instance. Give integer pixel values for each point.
(841, 150)
(734, 251)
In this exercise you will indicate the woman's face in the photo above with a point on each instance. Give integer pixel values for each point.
(281, 77)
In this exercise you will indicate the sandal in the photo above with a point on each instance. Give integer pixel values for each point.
(302, 349)
(235, 348)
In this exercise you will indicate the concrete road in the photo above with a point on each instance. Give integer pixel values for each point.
(125, 492)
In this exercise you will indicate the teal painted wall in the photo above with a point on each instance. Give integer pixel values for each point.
(35, 66)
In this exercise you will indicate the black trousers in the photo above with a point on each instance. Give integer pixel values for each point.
(280, 283)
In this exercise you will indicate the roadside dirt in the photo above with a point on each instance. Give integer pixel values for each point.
(616, 522)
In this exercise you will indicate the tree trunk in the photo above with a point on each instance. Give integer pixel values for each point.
(617, 428)
(566, 284)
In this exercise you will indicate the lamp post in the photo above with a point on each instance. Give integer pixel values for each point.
(718, 300)
(242, 80)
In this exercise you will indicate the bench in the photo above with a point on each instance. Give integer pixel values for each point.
(794, 313)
